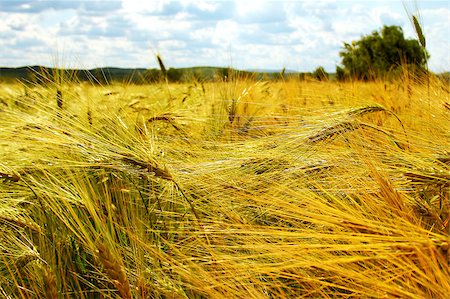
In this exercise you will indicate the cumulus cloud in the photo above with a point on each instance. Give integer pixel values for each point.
(254, 11)
(38, 6)
(248, 34)
(210, 11)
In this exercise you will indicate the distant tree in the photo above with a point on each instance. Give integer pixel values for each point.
(197, 76)
(320, 74)
(375, 55)
(224, 73)
(174, 75)
(152, 75)
(340, 73)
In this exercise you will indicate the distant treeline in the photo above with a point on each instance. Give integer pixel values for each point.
(42, 75)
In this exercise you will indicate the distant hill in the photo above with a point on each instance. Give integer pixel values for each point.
(286, 71)
(134, 75)
(104, 75)
(40, 73)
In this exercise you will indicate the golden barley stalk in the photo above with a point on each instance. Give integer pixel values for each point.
(166, 117)
(365, 110)
(59, 99)
(114, 269)
(332, 131)
(151, 166)
(12, 177)
(10, 221)
(23, 260)
(51, 291)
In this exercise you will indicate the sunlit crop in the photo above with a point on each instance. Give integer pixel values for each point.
(231, 189)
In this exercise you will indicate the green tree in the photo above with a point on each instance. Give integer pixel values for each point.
(320, 74)
(152, 75)
(376, 55)
(174, 75)
(225, 73)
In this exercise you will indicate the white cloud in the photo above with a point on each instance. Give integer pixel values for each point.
(250, 34)
(437, 33)
(226, 32)
(254, 11)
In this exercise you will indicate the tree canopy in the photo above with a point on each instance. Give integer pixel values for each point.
(378, 54)
(320, 74)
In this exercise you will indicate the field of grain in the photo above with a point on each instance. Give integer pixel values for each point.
(231, 189)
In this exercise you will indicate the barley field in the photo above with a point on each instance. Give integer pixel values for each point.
(231, 189)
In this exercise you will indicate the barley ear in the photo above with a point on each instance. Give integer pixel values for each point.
(114, 270)
(51, 291)
(89, 116)
(161, 65)
(59, 99)
(419, 31)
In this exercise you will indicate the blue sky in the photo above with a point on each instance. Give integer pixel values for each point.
(246, 34)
